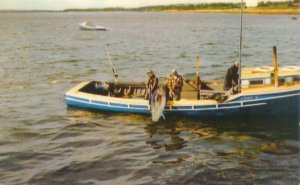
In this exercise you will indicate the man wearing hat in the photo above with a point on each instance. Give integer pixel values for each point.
(232, 76)
(151, 85)
(175, 84)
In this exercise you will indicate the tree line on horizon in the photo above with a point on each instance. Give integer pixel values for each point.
(201, 6)
(169, 7)
(279, 4)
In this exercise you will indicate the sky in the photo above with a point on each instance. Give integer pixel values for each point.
(68, 4)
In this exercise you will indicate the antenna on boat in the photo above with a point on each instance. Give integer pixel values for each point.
(112, 67)
(240, 53)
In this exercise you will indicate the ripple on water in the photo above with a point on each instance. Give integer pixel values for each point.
(22, 133)
(66, 134)
(81, 144)
(68, 61)
(15, 161)
(100, 170)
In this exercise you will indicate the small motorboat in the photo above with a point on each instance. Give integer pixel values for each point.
(90, 26)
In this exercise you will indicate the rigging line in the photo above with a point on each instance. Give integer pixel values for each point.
(115, 75)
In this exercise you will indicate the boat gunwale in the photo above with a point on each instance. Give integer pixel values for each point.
(236, 101)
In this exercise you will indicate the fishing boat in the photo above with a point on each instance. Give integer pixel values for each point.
(268, 90)
(90, 26)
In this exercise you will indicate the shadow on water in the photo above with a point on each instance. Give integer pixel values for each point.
(220, 150)
(283, 127)
(273, 127)
(275, 136)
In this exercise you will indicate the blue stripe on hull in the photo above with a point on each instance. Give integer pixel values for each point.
(80, 99)
(280, 104)
(99, 102)
(105, 107)
(267, 96)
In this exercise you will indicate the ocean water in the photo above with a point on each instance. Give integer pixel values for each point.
(42, 141)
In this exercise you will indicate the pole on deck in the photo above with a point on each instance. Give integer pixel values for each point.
(275, 66)
(198, 83)
(240, 53)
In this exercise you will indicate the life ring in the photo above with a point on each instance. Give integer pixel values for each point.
(290, 68)
(264, 69)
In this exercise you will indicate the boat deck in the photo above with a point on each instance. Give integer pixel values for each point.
(135, 92)
(211, 93)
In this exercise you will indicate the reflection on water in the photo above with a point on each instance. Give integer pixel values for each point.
(276, 135)
(223, 150)
(101, 148)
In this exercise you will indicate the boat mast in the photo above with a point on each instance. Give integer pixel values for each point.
(240, 53)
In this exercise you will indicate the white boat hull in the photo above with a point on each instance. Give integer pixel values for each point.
(85, 26)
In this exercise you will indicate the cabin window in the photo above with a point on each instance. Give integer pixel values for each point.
(256, 82)
(296, 79)
(281, 80)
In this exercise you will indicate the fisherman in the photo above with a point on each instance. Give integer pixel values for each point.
(103, 88)
(232, 76)
(174, 84)
(151, 85)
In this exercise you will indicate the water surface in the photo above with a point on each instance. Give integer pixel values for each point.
(42, 141)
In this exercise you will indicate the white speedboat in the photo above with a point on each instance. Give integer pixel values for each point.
(90, 26)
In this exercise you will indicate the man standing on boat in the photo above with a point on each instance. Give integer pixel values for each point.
(151, 85)
(232, 76)
(175, 84)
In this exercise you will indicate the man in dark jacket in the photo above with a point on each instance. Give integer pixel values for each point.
(232, 76)
(151, 85)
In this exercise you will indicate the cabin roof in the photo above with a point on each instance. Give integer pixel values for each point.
(265, 72)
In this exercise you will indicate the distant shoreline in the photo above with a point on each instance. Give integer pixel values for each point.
(282, 7)
(226, 11)
(245, 11)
